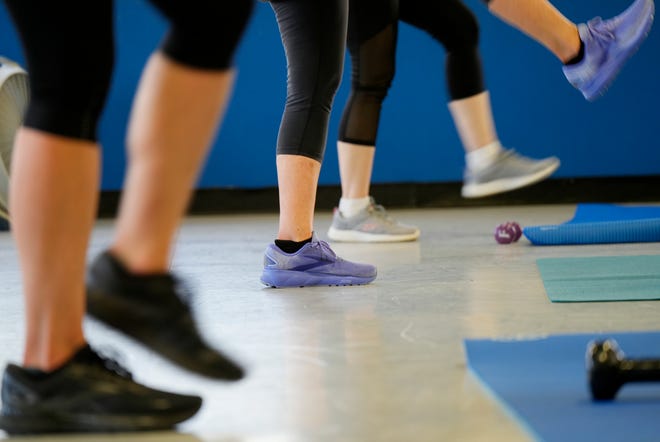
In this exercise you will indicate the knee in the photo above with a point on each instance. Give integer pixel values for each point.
(373, 61)
(374, 94)
(68, 99)
(329, 82)
(377, 76)
(462, 32)
(313, 86)
(206, 35)
(467, 34)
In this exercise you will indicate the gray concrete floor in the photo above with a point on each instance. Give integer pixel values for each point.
(382, 362)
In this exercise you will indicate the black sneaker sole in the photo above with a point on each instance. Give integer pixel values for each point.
(55, 423)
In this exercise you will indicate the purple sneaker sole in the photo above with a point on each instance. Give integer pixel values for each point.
(291, 278)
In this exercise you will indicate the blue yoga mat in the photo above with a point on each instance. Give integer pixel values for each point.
(601, 224)
(601, 278)
(543, 384)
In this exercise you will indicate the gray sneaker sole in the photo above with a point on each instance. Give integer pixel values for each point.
(357, 236)
(507, 184)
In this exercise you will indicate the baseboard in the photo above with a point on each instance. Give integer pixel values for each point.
(628, 189)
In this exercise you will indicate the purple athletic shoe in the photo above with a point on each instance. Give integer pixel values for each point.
(314, 264)
(608, 44)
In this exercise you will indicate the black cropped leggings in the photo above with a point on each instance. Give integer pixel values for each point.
(372, 37)
(69, 50)
(313, 34)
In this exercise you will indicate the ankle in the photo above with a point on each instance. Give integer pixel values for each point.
(577, 56)
(350, 207)
(137, 262)
(573, 52)
(483, 157)
(50, 356)
(288, 246)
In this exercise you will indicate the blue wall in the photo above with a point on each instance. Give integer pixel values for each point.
(536, 110)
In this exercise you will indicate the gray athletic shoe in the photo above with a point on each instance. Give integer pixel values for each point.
(510, 171)
(372, 224)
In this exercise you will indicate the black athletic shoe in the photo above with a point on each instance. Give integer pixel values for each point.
(90, 393)
(153, 309)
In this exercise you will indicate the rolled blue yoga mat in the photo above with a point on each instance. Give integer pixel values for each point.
(543, 385)
(600, 224)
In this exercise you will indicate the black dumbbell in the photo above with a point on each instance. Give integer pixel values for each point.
(608, 369)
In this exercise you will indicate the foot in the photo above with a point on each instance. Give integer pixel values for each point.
(510, 171)
(608, 44)
(89, 393)
(372, 224)
(154, 310)
(314, 264)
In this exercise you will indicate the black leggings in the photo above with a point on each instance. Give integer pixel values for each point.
(69, 49)
(313, 34)
(372, 38)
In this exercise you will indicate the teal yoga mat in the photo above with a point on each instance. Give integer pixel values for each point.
(601, 278)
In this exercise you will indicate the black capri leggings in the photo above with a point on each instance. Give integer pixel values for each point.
(69, 49)
(313, 34)
(372, 35)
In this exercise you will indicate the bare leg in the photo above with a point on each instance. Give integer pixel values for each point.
(473, 118)
(355, 166)
(541, 21)
(54, 190)
(174, 119)
(297, 178)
